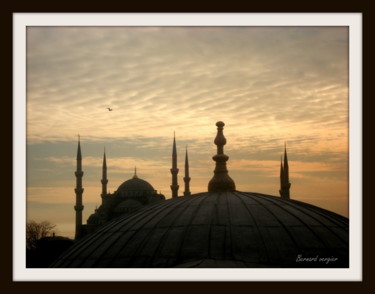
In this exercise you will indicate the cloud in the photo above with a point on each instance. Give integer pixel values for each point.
(269, 85)
(155, 79)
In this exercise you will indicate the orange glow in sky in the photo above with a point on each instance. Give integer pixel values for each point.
(270, 85)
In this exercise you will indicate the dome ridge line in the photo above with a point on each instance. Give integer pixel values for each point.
(238, 194)
(295, 243)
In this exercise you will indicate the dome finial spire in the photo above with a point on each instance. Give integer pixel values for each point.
(135, 173)
(221, 181)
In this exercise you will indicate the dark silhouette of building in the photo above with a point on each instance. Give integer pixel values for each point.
(174, 170)
(221, 181)
(130, 196)
(79, 191)
(47, 250)
(284, 177)
(187, 176)
(221, 228)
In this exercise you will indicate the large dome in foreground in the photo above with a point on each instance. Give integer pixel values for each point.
(221, 228)
(217, 229)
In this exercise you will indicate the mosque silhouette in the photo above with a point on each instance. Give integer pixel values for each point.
(136, 227)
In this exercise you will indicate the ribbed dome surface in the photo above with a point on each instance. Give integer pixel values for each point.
(217, 229)
(135, 184)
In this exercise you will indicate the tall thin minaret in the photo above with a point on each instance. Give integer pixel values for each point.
(79, 191)
(174, 170)
(104, 178)
(221, 181)
(281, 174)
(284, 177)
(187, 178)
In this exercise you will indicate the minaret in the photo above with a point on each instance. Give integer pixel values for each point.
(79, 191)
(104, 178)
(221, 181)
(174, 170)
(284, 177)
(187, 178)
(281, 173)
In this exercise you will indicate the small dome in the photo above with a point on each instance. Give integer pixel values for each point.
(135, 185)
(127, 206)
(93, 219)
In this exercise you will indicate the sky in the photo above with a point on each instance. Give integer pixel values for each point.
(270, 86)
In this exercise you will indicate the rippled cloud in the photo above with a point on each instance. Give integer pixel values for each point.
(159, 79)
(270, 85)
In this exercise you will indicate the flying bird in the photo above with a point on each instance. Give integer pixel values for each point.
(109, 109)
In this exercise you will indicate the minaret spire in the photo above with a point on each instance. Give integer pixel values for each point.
(79, 191)
(286, 167)
(284, 177)
(281, 172)
(104, 177)
(221, 181)
(187, 177)
(174, 169)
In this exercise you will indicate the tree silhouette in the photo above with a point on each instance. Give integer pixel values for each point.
(35, 231)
